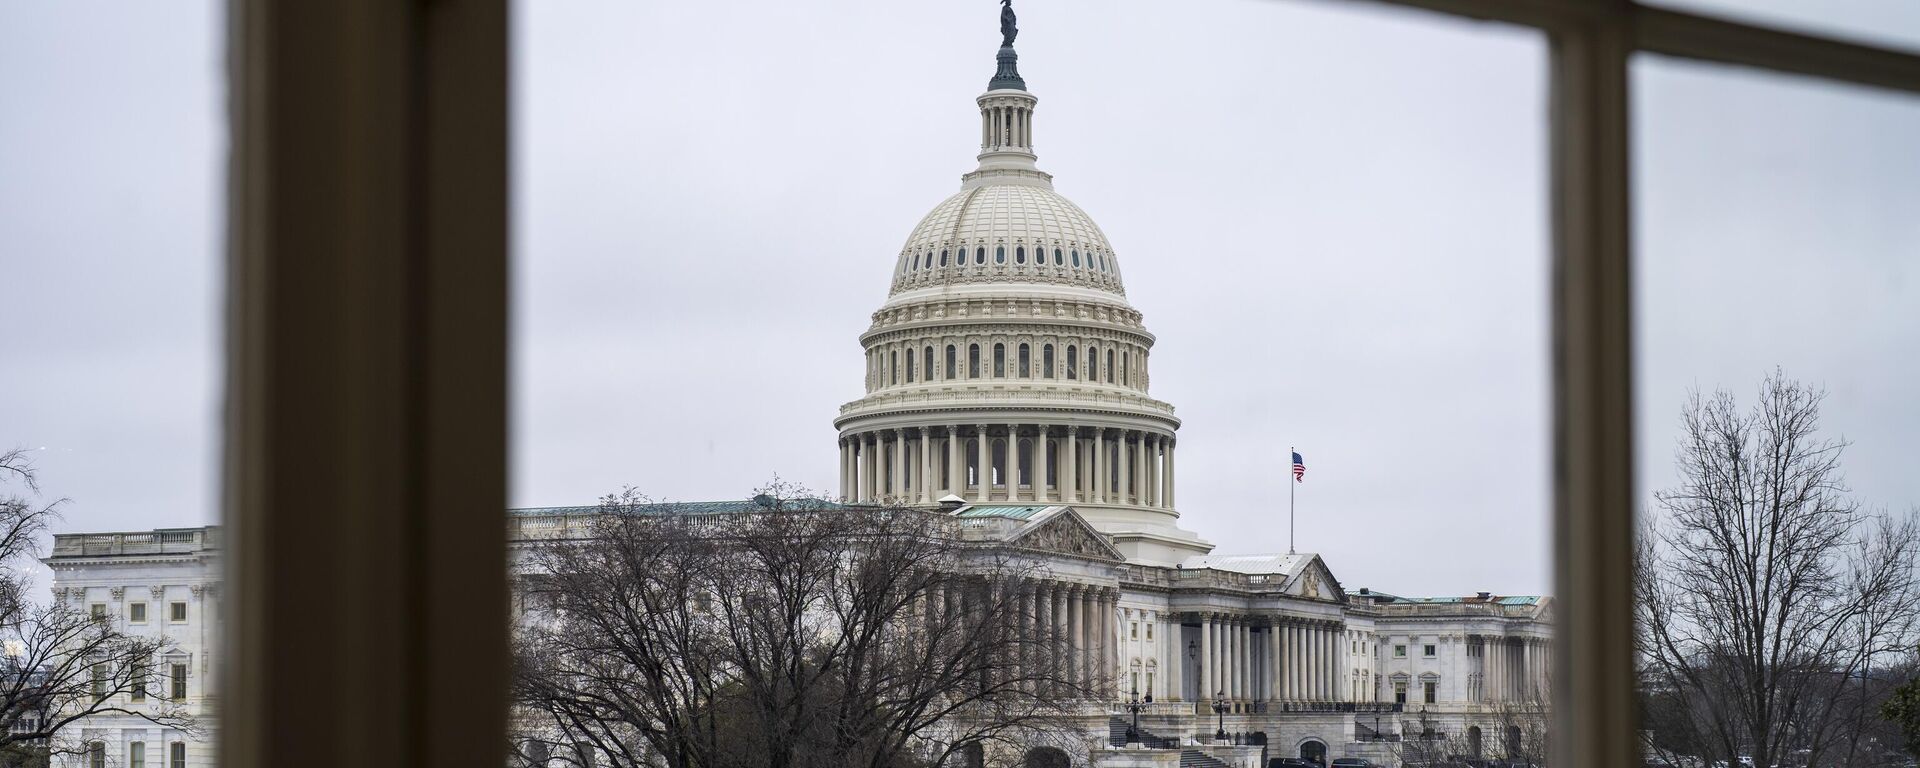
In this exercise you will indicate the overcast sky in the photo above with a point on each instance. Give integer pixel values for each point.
(1333, 217)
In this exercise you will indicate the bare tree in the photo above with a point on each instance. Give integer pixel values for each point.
(802, 634)
(1762, 583)
(58, 665)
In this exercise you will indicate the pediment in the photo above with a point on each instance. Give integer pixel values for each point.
(1314, 581)
(1065, 532)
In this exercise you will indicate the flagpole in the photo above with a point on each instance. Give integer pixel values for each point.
(1290, 484)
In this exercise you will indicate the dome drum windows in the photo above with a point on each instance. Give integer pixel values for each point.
(926, 364)
(999, 361)
(980, 255)
(1109, 365)
(951, 362)
(943, 257)
(1020, 255)
(1073, 362)
(1046, 362)
(1026, 370)
(909, 366)
(999, 254)
(973, 361)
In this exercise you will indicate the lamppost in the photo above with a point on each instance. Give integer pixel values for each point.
(1134, 705)
(1220, 715)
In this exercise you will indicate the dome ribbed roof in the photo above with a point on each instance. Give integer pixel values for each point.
(1014, 233)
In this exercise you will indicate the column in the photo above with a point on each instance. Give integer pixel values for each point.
(1089, 623)
(1171, 444)
(1297, 634)
(984, 480)
(1076, 632)
(1100, 465)
(1057, 632)
(1274, 690)
(1013, 462)
(1173, 665)
(1206, 681)
(1123, 453)
(1342, 670)
(1141, 472)
(1112, 640)
(1041, 439)
(1070, 466)
(955, 461)
(1153, 464)
(867, 466)
(1243, 653)
(896, 485)
(925, 487)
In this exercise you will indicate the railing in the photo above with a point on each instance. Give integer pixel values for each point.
(162, 542)
(971, 395)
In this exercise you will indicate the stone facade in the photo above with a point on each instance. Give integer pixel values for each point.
(162, 582)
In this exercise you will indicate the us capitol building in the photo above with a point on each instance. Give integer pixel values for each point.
(1008, 383)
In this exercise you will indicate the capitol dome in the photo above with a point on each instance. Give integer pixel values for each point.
(1006, 366)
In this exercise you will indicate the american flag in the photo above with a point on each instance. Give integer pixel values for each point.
(1299, 467)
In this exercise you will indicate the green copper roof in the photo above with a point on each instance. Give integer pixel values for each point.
(683, 508)
(1021, 512)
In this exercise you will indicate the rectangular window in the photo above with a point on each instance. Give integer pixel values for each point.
(1432, 691)
(1149, 681)
(138, 684)
(97, 755)
(1149, 637)
(1427, 651)
(1134, 677)
(98, 611)
(1399, 693)
(177, 611)
(1133, 631)
(136, 754)
(1399, 651)
(99, 682)
(137, 613)
(179, 682)
(177, 755)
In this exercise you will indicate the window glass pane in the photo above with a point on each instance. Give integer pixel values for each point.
(1776, 314)
(113, 173)
(1891, 23)
(1354, 268)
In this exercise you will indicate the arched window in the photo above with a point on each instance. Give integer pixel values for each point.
(973, 462)
(177, 755)
(893, 366)
(999, 462)
(952, 359)
(96, 754)
(909, 366)
(1026, 371)
(1058, 260)
(999, 361)
(1076, 258)
(980, 255)
(1073, 362)
(1123, 368)
(1093, 365)
(943, 257)
(1020, 255)
(1109, 365)
(926, 363)
(1046, 362)
(999, 254)
(916, 261)
(1053, 463)
(1113, 461)
(973, 361)
(928, 262)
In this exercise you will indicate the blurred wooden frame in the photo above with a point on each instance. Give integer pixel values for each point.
(367, 366)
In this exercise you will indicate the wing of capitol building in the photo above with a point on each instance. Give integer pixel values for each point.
(1008, 385)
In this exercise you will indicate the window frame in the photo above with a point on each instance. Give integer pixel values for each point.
(389, 203)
